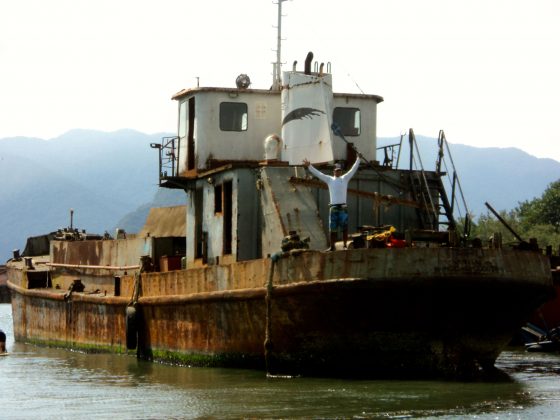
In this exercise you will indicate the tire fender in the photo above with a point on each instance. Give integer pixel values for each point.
(131, 328)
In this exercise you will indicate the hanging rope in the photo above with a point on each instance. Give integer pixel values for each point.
(132, 319)
(287, 251)
(268, 345)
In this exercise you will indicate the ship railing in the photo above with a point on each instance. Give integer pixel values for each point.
(168, 157)
(391, 153)
(442, 198)
(421, 190)
(458, 203)
(98, 267)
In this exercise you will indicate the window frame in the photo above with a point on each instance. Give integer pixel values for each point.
(243, 125)
(355, 131)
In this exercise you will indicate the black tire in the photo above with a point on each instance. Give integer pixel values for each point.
(131, 328)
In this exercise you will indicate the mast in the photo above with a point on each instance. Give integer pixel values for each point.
(277, 67)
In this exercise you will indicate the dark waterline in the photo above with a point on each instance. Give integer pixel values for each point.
(40, 382)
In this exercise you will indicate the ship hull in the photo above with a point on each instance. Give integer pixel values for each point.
(413, 312)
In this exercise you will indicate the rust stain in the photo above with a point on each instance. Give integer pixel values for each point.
(209, 310)
(276, 206)
(388, 199)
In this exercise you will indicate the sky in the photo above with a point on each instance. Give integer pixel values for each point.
(485, 71)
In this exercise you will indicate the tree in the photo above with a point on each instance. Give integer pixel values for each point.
(538, 218)
(486, 225)
(545, 235)
(544, 210)
(550, 205)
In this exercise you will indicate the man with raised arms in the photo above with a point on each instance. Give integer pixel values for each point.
(338, 187)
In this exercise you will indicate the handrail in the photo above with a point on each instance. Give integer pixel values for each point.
(102, 267)
(432, 207)
(442, 141)
(168, 156)
(390, 149)
(454, 170)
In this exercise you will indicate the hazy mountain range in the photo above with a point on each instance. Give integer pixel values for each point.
(101, 176)
(111, 180)
(501, 176)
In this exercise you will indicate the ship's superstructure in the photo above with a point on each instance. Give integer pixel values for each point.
(237, 147)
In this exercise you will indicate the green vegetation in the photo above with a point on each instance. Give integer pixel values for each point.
(84, 347)
(204, 360)
(538, 218)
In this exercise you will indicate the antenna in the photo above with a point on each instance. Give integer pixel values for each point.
(277, 76)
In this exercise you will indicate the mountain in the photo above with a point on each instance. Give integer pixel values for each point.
(164, 197)
(111, 180)
(101, 176)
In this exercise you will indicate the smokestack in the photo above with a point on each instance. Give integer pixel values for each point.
(308, 60)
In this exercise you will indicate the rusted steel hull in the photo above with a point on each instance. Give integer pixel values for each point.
(395, 328)
(81, 322)
(369, 312)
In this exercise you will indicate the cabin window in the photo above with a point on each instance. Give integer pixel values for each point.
(233, 116)
(218, 199)
(348, 119)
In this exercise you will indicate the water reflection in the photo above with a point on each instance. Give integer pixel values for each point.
(46, 382)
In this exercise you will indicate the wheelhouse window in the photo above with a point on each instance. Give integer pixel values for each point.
(348, 119)
(233, 116)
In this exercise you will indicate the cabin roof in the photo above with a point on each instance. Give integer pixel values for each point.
(163, 222)
(190, 91)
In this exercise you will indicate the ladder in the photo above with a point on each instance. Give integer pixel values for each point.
(437, 208)
(457, 203)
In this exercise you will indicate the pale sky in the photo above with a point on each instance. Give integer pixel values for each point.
(485, 71)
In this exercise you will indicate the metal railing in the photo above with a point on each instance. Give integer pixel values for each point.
(420, 186)
(168, 157)
(457, 200)
(450, 201)
(392, 154)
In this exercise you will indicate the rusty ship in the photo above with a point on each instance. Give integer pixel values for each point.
(239, 275)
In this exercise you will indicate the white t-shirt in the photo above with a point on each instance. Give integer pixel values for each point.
(338, 186)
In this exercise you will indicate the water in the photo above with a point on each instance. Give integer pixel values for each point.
(44, 383)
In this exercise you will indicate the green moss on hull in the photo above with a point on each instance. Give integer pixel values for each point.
(85, 347)
(240, 360)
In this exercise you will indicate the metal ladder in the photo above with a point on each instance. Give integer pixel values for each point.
(420, 188)
(437, 209)
(457, 202)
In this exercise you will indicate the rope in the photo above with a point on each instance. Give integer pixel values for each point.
(136, 289)
(144, 263)
(268, 345)
(132, 319)
(337, 130)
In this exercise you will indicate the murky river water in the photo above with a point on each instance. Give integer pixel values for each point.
(38, 382)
